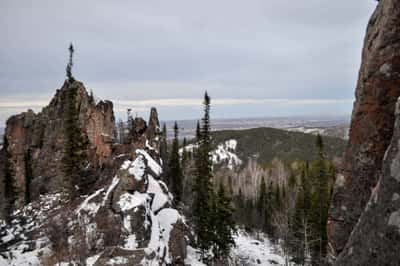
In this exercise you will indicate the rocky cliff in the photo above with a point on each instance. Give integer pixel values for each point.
(376, 237)
(372, 123)
(40, 138)
(127, 217)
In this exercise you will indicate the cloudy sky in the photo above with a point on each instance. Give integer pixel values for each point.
(255, 58)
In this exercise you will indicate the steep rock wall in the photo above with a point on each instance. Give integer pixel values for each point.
(376, 237)
(372, 122)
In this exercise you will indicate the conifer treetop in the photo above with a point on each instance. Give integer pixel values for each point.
(70, 62)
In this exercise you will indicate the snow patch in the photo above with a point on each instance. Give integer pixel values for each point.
(250, 251)
(154, 166)
(129, 201)
(225, 153)
(90, 207)
(130, 242)
(138, 168)
(117, 261)
(160, 198)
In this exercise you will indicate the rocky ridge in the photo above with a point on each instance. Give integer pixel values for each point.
(127, 218)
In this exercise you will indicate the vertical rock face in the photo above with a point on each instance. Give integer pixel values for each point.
(42, 136)
(376, 237)
(372, 122)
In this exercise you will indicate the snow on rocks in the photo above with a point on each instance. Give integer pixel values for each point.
(188, 148)
(129, 201)
(17, 245)
(225, 153)
(251, 251)
(160, 198)
(151, 163)
(137, 168)
(90, 207)
(122, 223)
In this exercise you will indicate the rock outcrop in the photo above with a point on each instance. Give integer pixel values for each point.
(372, 123)
(41, 136)
(128, 219)
(376, 237)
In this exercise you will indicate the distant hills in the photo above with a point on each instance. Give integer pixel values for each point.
(336, 126)
(265, 144)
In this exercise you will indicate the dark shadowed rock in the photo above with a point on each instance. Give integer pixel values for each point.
(372, 122)
(376, 237)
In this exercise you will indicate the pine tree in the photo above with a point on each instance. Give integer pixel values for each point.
(261, 202)
(164, 153)
(174, 168)
(320, 205)
(75, 144)
(269, 210)
(224, 224)
(301, 220)
(185, 154)
(70, 63)
(198, 132)
(202, 187)
(277, 195)
(28, 176)
(9, 186)
(121, 131)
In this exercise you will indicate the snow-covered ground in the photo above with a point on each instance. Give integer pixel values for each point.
(224, 153)
(251, 251)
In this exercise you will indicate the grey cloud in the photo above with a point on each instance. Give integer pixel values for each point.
(139, 50)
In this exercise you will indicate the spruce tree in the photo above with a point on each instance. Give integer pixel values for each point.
(202, 187)
(174, 167)
(75, 143)
(164, 153)
(224, 224)
(70, 63)
(9, 186)
(301, 220)
(185, 154)
(28, 176)
(261, 202)
(320, 205)
(269, 210)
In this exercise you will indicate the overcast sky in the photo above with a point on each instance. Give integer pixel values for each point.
(255, 58)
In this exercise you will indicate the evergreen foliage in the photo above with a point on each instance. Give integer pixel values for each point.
(70, 63)
(320, 205)
(164, 153)
(224, 224)
(9, 186)
(212, 211)
(75, 145)
(202, 187)
(28, 175)
(185, 153)
(174, 168)
(301, 220)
